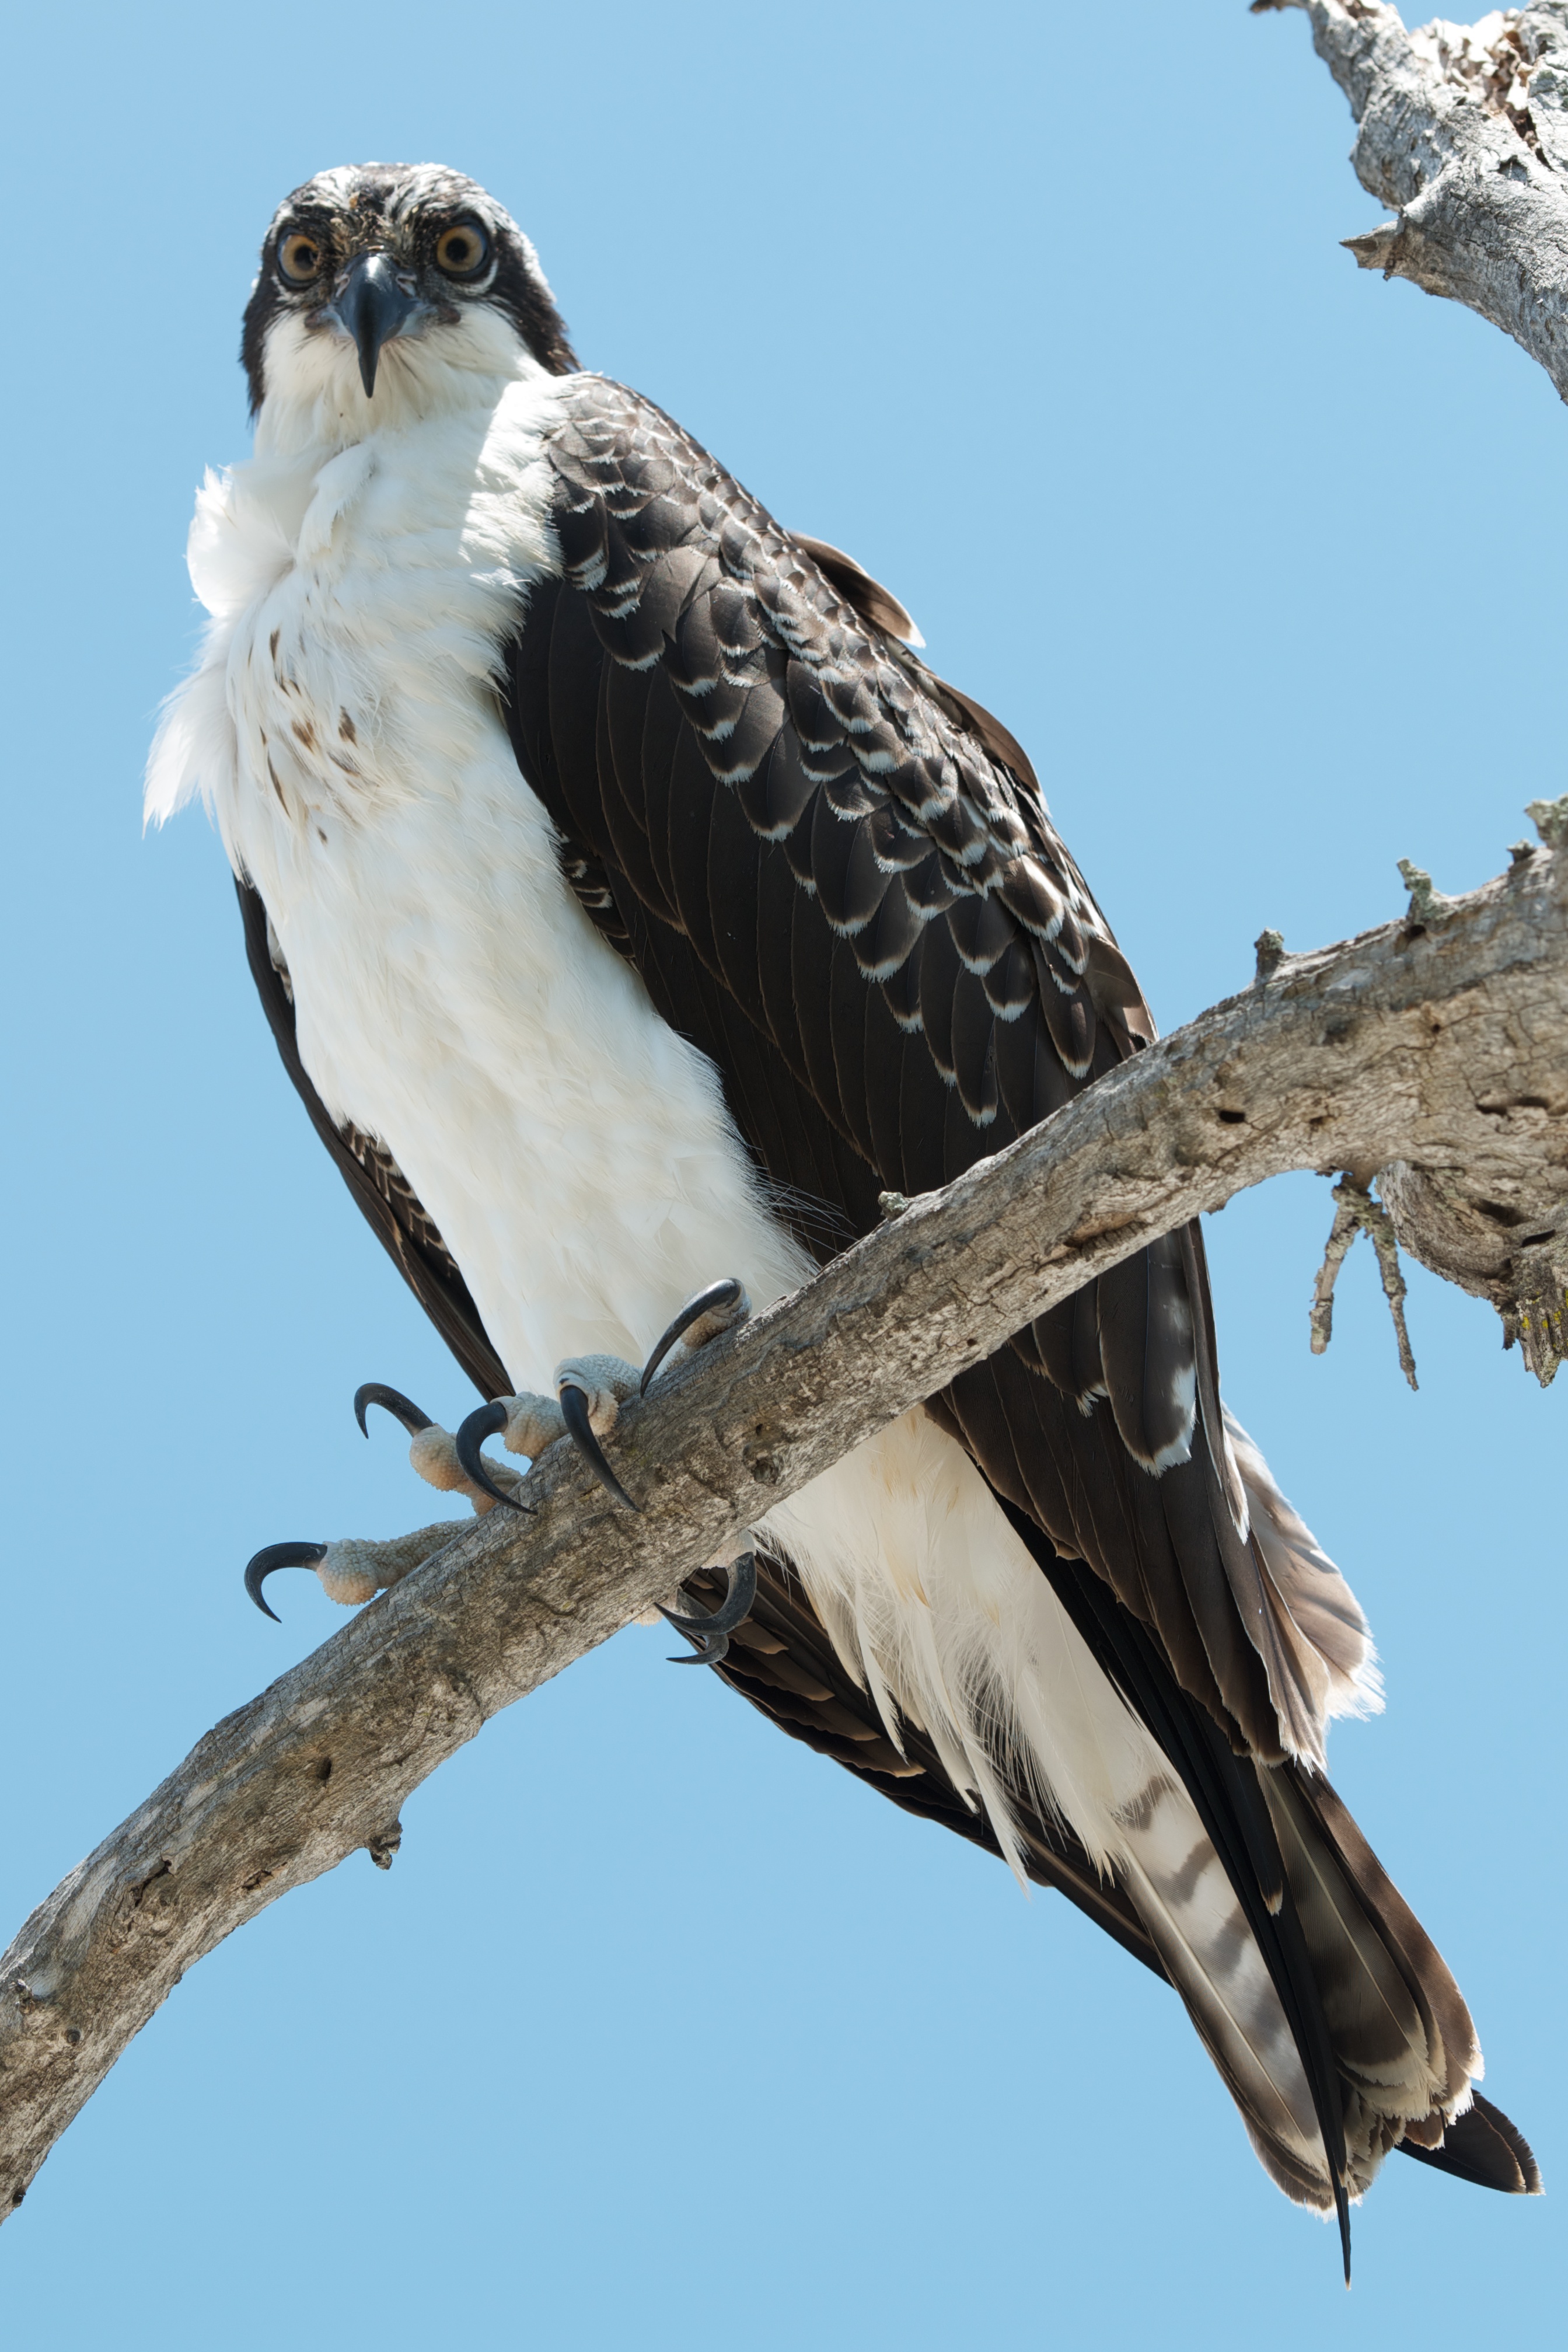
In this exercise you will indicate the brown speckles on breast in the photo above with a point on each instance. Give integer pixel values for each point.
(346, 728)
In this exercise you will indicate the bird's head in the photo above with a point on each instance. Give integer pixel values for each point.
(379, 278)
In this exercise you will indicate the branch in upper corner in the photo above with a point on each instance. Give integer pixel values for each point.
(1462, 132)
(1441, 1048)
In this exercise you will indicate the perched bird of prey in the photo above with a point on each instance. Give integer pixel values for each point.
(631, 906)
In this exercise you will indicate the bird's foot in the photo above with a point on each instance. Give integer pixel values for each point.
(355, 1569)
(590, 1393)
(719, 1307)
(709, 1633)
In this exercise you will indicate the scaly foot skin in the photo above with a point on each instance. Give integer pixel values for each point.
(590, 1390)
(352, 1570)
(590, 1393)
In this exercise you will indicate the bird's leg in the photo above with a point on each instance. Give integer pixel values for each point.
(356, 1568)
(590, 1393)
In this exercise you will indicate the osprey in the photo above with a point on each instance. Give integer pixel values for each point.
(633, 906)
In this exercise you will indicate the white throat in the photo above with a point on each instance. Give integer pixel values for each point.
(315, 401)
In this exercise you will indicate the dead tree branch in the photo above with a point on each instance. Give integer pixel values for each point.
(1462, 132)
(1439, 1043)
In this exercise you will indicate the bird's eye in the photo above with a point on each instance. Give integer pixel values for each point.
(462, 250)
(300, 258)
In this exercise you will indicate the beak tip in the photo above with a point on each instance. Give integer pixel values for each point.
(372, 307)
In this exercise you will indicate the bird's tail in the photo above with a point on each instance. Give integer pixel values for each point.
(1404, 2044)
(1327, 2009)
(1368, 1980)
(1041, 1701)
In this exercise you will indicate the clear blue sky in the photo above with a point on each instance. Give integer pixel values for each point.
(662, 2032)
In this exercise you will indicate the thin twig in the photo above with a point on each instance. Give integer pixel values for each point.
(1358, 1211)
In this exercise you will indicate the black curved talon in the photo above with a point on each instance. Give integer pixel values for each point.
(711, 1633)
(579, 1429)
(283, 1555)
(484, 1420)
(728, 1292)
(394, 1403)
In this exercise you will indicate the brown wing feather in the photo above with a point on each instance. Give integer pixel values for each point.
(708, 710)
(860, 910)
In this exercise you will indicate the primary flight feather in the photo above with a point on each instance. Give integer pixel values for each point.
(633, 906)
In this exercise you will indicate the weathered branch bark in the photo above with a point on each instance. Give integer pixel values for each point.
(1462, 131)
(1441, 1042)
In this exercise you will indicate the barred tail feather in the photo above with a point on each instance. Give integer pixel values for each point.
(1404, 2040)
(1309, 1981)
(1179, 1888)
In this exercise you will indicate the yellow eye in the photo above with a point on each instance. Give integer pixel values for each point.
(300, 257)
(462, 249)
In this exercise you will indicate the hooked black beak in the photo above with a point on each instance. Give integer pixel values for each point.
(372, 307)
